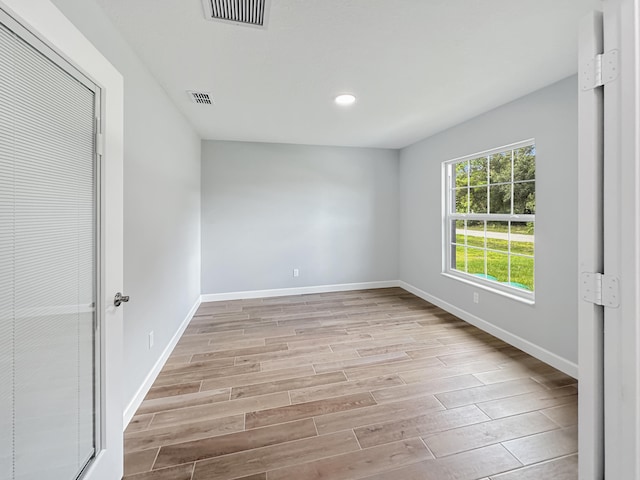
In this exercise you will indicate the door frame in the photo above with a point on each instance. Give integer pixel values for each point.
(48, 24)
(590, 254)
(622, 241)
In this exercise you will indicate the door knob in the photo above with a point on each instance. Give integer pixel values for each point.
(119, 299)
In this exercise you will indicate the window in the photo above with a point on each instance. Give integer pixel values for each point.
(490, 206)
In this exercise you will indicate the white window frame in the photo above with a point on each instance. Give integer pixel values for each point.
(449, 215)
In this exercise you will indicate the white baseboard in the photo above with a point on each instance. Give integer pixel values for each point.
(135, 402)
(532, 349)
(282, 292)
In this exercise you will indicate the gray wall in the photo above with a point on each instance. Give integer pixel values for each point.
(269, 208)
(161, 198)
(550, 116)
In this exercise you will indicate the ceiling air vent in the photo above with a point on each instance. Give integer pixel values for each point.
(246, 12)
(203, 98)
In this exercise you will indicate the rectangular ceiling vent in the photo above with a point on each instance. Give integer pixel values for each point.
(245, 12)
(202, 98)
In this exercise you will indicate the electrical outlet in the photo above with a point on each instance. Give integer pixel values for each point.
(476, 297)
(150, 340)
(296, 272)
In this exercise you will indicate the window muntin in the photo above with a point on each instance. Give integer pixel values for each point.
(490, 218)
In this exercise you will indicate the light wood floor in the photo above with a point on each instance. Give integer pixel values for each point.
(374, 384)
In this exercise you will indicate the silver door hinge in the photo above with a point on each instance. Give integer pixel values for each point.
(600, 70)
(600, 289)
(99, 138)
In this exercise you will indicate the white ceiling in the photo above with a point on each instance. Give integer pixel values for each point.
(416, 66)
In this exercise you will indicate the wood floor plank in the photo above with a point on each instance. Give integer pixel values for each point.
(503, 355)
(512, 371)
(139, 422)
(488, 433)
(277, 456)
(314, 359)
(349, 385)
(544, 446)
(428, 387)
(442, 371)
(161, 404)
(471, 465)
(555, 380)
(260, 377)
(183, 432)
(360, 362)
(289, 413)
(357, 464)
(207, 374)
(172, 390)
(179, 472)
(537, 400)
(282, 353)
(389, 368)
(234, 442)
(371, 343)
(218, 410)
(290, 384)
(335, 422)
(419, 426)
(306, 342)
(344, 388)
(140, 461)
(239, 352)
(565, 468)
(564, 415)
(488, 392)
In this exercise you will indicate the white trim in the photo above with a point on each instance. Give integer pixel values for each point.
(491, 151)
(449, 216)
(540, 353)
(136, 401)
(282, 292)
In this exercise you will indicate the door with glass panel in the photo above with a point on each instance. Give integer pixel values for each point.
(48, 262)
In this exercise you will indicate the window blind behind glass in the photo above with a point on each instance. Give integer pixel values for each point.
(47, 266)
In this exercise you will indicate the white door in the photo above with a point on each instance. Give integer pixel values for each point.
(60, 265)
(590, 252)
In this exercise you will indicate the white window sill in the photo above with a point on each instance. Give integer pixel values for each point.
(528, 298)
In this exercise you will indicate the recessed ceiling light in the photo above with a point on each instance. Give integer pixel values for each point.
(345, 99)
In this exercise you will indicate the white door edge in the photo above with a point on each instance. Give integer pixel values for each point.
(590, 256)
(622, 242)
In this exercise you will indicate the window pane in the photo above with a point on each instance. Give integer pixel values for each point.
(500, 199)
(478, 200)
(478, 172)
(460, 171)
(460, 260)
(498, 266)
(524, 164)
(458, 230)
(475, 233)
(524, 198)
(462, 200)
(522, 272)
(500, 167)
(522, 239)
(497, 236)
(475, 261)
